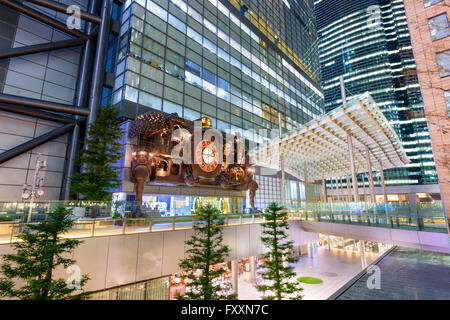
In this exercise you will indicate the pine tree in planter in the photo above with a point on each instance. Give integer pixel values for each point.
(103, 149)
(279, 280)
(205, 251)
(37, 254)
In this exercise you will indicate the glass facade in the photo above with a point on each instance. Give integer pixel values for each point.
(368, 42)
(245, 66)
(204, 59)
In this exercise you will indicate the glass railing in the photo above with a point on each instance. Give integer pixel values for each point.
(115, 218)
(419, 216)
(88, 227)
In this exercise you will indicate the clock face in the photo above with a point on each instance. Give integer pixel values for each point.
(206, 152)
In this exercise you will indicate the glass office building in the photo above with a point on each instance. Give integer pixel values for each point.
(207, 58)
(368, 42)
(246, 66)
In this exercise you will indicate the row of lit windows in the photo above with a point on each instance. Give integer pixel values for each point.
(265, 27)
(210, 46)
(234, 44)
(133, 93)
(365, 55)
(157, 10)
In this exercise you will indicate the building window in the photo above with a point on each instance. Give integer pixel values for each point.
(443, 61)
(428, 3)
(447, 101)
(439, 27)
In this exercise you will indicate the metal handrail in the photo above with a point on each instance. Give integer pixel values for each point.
(87, 227)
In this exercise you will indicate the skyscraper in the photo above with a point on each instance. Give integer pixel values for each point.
(246, 65)
(368, 42)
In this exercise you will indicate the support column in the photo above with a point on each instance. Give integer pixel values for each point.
(98, 68)
(363, 254)
(380, 249)
(364, 186)
(324, 186)
(235, 276)
(331, 190)
(306, 183)
(252, 268)
(349, 189)
(352, 167)
(283, 178)
(283, 181)
(81, 96)
(310, 250)
(342, 189)
(328, 242)
(383, 183)
(371, 184)
(412, 198)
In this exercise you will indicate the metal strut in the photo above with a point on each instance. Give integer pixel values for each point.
(47, 105)
(36, 113)
(63, 8)
(80, 100)
(24, 147)
(42, 17)
(21, 51)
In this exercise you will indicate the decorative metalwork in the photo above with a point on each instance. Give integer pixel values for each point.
(153, 161)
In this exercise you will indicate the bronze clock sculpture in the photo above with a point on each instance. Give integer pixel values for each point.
(156, 159)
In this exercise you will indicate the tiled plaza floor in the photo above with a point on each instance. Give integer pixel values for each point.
(335, 268)
(407, 274)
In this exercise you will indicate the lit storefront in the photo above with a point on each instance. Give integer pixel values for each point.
(170, 205)
(352, 245)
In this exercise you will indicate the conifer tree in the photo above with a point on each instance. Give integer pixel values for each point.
(205, 251)
(38, 252)
(100, 174)
(279, 280)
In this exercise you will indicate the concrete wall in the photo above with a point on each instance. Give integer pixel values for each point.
(49, 76)
(17, 129)
(407, 238)
(116, 260)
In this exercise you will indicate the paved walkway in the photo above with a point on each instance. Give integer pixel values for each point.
(335, 268)
(407, 274)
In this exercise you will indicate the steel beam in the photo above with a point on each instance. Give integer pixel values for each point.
(63, 8)
(353, 169)
(21, 51)
(35, 113)
(24, 147)
(42, 17)
(99, 62)
(34, 103)
(81, 95)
